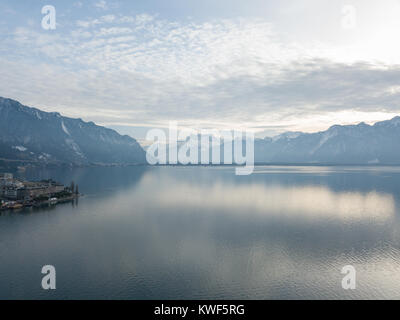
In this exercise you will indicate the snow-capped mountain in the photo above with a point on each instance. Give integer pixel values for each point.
(350, 144)
(47, 137)
(34, 135)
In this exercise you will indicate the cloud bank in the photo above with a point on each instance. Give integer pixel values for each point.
(143, 70)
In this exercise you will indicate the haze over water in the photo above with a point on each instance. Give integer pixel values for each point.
(204, 233)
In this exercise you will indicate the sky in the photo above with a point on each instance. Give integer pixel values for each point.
(266, 66)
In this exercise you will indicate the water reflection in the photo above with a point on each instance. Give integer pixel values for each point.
(94, 180)
(171, 233)
(309, 202)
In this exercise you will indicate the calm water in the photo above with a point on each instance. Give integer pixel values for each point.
(198, 232)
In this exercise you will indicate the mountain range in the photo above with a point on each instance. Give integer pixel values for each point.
(29, 134)
(347, 144)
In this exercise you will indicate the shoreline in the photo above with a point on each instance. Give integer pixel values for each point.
(18, 205)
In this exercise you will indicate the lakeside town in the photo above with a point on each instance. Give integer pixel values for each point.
(16, 193)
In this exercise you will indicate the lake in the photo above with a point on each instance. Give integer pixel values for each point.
(205, 233)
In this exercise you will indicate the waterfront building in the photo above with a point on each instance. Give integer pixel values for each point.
(14, 189)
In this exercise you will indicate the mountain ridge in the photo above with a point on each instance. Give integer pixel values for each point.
(31, 134)
(340, 144)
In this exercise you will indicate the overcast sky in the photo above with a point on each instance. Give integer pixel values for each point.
(271, 66)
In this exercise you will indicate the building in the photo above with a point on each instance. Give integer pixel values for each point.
(13, 189)
(15, 193)
(42, 188)
(6, 176)
(6, 180)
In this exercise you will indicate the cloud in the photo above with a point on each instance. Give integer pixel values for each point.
(78, 4)
(97, 21)
(101, 5)
(142, 70)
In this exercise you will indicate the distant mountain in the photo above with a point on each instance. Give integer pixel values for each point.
(34, 135)
(29, 134)
(350, 144)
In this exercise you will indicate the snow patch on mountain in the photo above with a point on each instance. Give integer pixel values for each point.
(20, 148)
(333, 132)
(72, 144)
(64, 128)
(44, 156)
